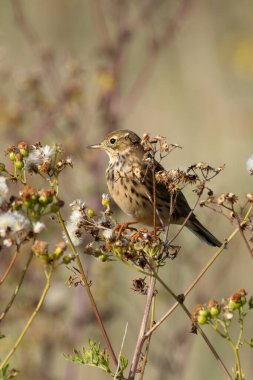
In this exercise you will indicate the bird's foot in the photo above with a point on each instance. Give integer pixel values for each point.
(119, 228)
(155, 230)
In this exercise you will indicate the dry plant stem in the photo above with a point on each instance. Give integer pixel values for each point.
(186, 219)
(200, 275)
(28, 324)
(87, 288)
(246, 242)
(9, 267)
(3, 314)
(140, 340)
(154, 201)
(169, 221)
(120, 352)
(244, 237)
(145, 359)
(187, 312)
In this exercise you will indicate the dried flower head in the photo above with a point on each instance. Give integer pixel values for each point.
(3, 190)
(14, 227)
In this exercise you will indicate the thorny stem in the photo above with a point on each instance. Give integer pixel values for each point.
(3, 314)
(28, 324)
(87, 288)
(9, 267)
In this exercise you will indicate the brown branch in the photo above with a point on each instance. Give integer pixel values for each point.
(5, 311)
(88, 291)
(187, 218)
(241, 229)
(196, 325)
(9, 267)
(200, 275)
(141, 337)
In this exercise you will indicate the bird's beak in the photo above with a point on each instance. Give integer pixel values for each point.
(96, 146)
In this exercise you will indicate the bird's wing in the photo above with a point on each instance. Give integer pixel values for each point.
(180, 204)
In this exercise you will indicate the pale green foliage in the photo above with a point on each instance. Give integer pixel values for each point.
(94, 357)
(6, 374)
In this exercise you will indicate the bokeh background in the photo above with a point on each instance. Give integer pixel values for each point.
(70, 72)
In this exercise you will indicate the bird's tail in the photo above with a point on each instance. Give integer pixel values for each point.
(202, 233)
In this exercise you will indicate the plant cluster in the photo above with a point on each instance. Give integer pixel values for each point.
(26, 210)
(219, 316)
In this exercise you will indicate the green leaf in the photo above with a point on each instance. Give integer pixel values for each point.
(91, 356)
(123, 364)
(6, 374)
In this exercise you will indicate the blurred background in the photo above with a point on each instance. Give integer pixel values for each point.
(70, 71)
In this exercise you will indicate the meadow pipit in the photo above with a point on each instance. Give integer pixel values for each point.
(130, 183)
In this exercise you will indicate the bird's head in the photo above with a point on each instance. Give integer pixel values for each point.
(121, 142)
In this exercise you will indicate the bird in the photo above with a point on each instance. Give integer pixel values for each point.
(130, 183)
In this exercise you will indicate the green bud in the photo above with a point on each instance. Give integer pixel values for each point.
(106, 202)
(214, 311)
(17, 206)
(58, 251)
(103, 258)
(24, 152)
(52, 256)
(19, 165)
(234, 305)
(27, 203)
(66, 259)
(203, 313)
(12, 156)
(201, 319)
(30, 203)
(43, 200)
(251, 302)
(90, 213)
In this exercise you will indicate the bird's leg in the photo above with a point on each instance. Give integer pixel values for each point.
(155, 230)
(120, 227)
(138, 233)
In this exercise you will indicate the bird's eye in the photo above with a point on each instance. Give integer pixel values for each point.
(112, 140)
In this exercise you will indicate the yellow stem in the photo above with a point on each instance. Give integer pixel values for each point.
(28, 324)
(87, 287)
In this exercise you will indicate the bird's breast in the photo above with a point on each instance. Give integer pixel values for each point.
(129, 192)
